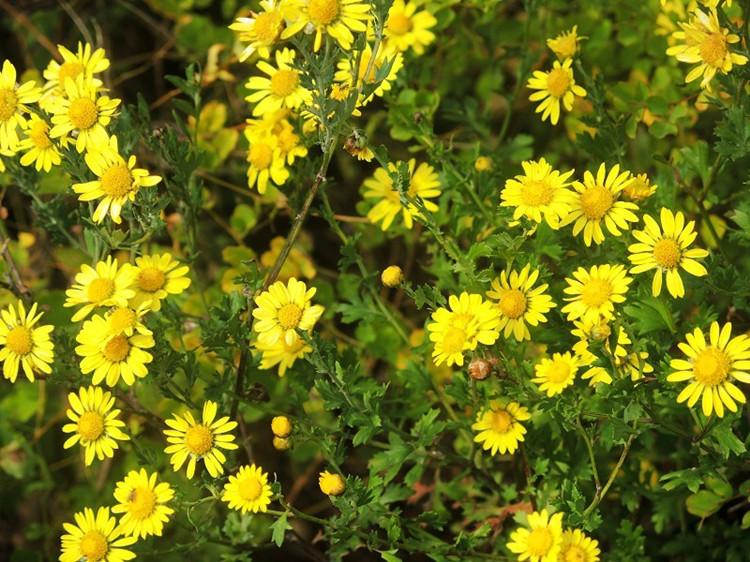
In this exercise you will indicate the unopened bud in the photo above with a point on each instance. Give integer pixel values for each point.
(392, 276)
(480, 369)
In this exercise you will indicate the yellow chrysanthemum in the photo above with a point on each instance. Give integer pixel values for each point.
(261, 31)
(345, 73)
(519, 302)
(95, 538)
(556, 87)
(85, 62)
(142, 502)
(38, 148)
(594, 292)
(14, 101)
(126, 320)
(281, 89)
(639, 188)
(107, 284)
(266, 162)
(541, 542)
(337, 18)
(665, 248)
(193, 441)
(423, 185)
(555, 374)
(469, 322)
(156, 277)
(406, 28)
(712, 367)
(282, 354)
(577, 547)
(24, 345)
(282, 310)
(565, 45)
(248, 491)
(94, 424)
(499, 429)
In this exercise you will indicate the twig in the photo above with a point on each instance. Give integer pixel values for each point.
(599, 496)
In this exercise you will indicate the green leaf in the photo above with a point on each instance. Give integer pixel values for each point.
(279, 529)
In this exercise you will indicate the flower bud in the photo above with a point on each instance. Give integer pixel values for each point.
(281, 426)
(281, 443)
(392, 276)
(331, 484)
(483, 164)
(480, 369)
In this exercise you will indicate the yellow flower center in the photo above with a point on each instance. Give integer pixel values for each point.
(596, 201)
(267, 27)
(289, 316)
(260, 155)
(596, 292)
(250, 489)
(116, 349)
(90, 426)
(287, 140)
(93, 546)
(199, 439)
(117, 181)
(151, 279)
(8, 104)
(100, 290)
(558, 82)
(714, 49)
(537, 193)
(559, 371)
(19, 340)
(501, 421)
(539, 542)
(399, 24)
(454, 340)
(513, 304)
(323, 12)
(141, 502)
(284, 82)
(122, 319)
(667, 253)
(574, 553)
(83, 113)
(38, 135)
(711, 366)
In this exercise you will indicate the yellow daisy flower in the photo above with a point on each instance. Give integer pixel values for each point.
(556, 87)
(281, 89)
(635, 364)
(126, 320)
(555, 374)
(542, 541)
(282, 310)
(639, 188)
(106, 284)
(499, 428)
(565, 45)
(594, 292)
(519, 302)
(665, 248)
(406, 28)
(337, 18)
(282, 354)
(596, 201)
(157, 277)
(248, 491)
(423, 184)
(95, 538)
(539, 194)
(331, 484)
(142, 503)
(24, 345)
(38, 147)
(345, 72)
(288, 142)
(712, 367)
(469, 322)
(576, 546)
(110, 357)
(266, 161)
(261, 31)
(14, 101)
(85, 62)
(193, 441)
(94, 424)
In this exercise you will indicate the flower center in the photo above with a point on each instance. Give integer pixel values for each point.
(93, 546)
(122, 319)
(399, 24)
(539, 542)
(711, 366)
(151, 279)
(574, 554)
(117, 181)
(70, 69)
(90, 425)
(250, 489)
(199, 440)
(38, 135)
(513, 303)
(559, 371)
(596, 201)
(537, 193)
(289, 316)
(141, 502)
(83, 113)
(19, 340)
(284, 82)
(287, 140)
(322, 12)
(558, 82)
(267, 27)
(8, 104)
(116, 349)
(100, 290)
(454, 340)
(714, 49)
(596, 292)
(500, 421)
(667, 253)
(600, 331)
(260, 155)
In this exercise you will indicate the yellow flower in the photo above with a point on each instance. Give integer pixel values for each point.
(84, 62)
(281, 443)
(423, 185)
(406, 28)
(95, 538)
(95, 424)
(576, 546)
(157, 277)
(499, 428)
(282, 310)
(555, 87)
(105, 285)
(266, 161)
(143, 504)
(14, 102)
(704, 42)
(519, 302)
(639, 188)
(261, 31)
(331, 484)
(298, 263)
(555, 374)
(542, 541)
(596, 201)
(594, 292)
(712, 367)
(469, 322)
(337, 18)
(127, 320)
(281, 426)
(665, 248)
(565, 45)
(280, 353)
(24, 345)
(193, 441)
(345, 72)
(392, 276)
(248, 491)
(281, 89)
(483, 164)
(38, 147)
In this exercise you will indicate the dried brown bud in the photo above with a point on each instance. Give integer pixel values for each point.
(479, 369)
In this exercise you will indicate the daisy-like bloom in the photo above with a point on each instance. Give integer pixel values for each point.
(248, 491)
(142, 502)
(666, 249)
(193, 441)
(702, 41)
(345, 71)
(424, 184)
(82, 114)
(542, 541)
(24, 345)
(408, 28)
(128, 321)
(594, 292)
(565, 45)
(639, 188)
(577, 547)
(596, 201)
(94, 424)
(288, 142)
(106, 284)
(14, 101)
(555, 374)
(469, 322)
(712, 367)
(282, 310)
(267, 163)
(282, 354)
(95, 538)
(337, 18)
(110, 357)
(261, 31)
(282, 87)
(157, 277)
(499, 429)
(331, 484)
(38, 147)
(520, 302)
(558, 86)
(84, 62)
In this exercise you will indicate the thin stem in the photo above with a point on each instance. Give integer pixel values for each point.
(590, 449)
(598, 497)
